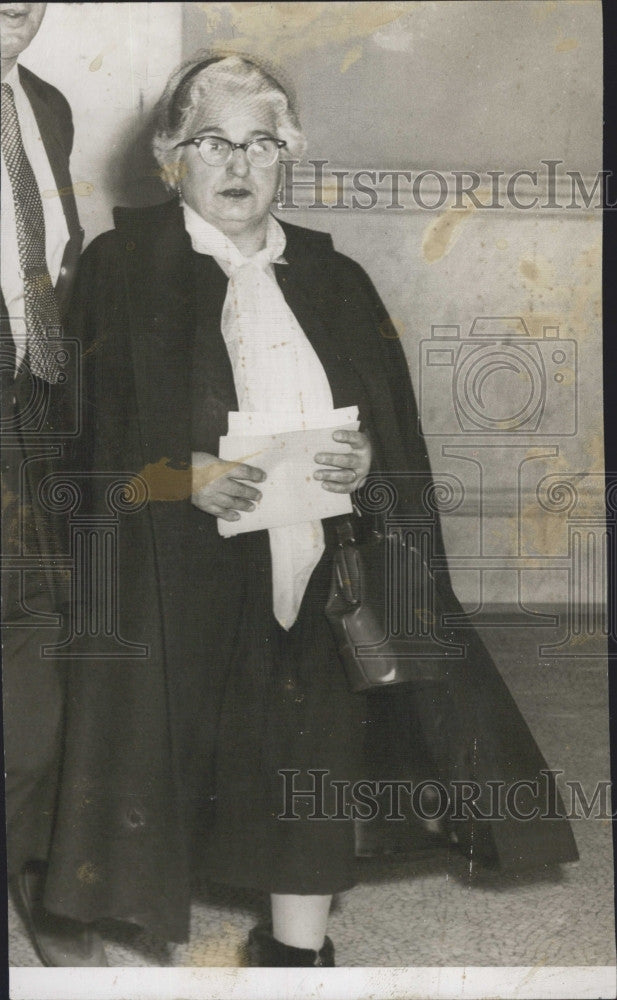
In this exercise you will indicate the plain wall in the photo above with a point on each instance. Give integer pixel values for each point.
(446, 84)
(111, 61)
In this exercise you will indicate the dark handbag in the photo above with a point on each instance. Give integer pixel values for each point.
(357, 610)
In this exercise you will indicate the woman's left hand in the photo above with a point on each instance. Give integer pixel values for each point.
(350, 467)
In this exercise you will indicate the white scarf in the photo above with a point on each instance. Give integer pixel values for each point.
(275, 369)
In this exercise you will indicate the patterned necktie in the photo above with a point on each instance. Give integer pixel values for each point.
(41, 307)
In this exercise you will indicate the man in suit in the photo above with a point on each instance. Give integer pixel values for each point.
(41, 243)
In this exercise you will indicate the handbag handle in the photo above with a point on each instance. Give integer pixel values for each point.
(345, 533)
(347, 563)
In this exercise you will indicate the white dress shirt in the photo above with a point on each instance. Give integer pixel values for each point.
(56, 230)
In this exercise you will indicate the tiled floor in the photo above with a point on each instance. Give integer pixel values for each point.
(432, 911)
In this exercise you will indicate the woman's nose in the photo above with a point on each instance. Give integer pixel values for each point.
(239, 164)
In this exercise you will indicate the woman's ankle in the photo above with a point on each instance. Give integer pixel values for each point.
(266, 950)
(299, 921)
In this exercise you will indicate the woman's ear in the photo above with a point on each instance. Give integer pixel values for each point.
(172, 173)
(280, 193)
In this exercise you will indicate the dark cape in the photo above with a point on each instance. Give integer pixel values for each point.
(119, 845)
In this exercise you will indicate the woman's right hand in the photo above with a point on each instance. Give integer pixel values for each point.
(217, 489)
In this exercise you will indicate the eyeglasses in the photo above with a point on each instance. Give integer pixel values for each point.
(216, 151)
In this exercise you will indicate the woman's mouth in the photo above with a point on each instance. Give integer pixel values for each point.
(235, 193)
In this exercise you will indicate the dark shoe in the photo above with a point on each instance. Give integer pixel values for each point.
(265, 950)
(59, 941)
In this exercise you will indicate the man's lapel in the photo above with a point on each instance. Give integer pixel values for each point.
(56, 153)
(58, 156)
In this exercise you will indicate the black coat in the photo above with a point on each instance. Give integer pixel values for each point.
(119, 847)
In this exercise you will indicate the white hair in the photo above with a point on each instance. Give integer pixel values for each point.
(206, 79)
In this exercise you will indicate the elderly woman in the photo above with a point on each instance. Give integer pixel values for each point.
(192, 310)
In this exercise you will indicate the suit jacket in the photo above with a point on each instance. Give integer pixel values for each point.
(27, 529)
(55, 122)
(36, 417)
(122, 782)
